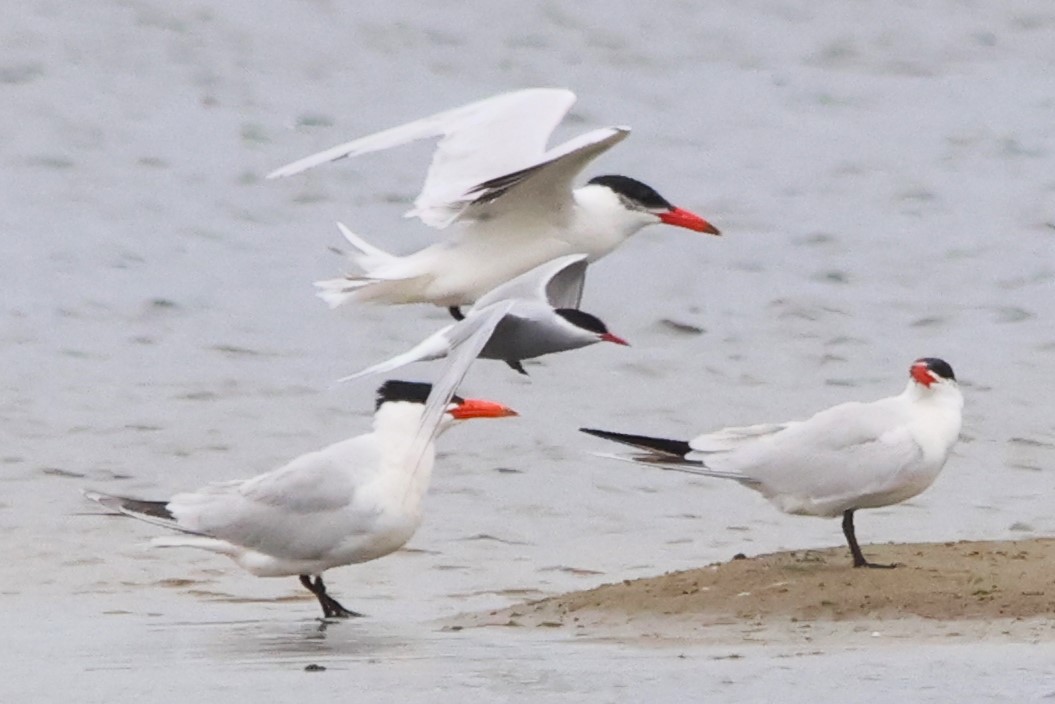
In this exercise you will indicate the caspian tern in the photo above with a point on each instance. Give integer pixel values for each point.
(510, 198)
(534, 325)
(848, 457)
(353, 501)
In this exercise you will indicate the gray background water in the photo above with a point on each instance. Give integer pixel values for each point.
(885, 177)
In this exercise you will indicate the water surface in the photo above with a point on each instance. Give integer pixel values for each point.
(883, 177)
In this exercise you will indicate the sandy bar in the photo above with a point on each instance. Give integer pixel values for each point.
(965, 590)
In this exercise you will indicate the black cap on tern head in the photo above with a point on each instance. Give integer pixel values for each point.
(930, 370)
(633, 190)
(938, 367)
(589, 323)
(408, 391)
(583, 320)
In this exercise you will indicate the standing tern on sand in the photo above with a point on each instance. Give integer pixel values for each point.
(845, 458)
(511, 201)
(354, 501)
(536, 322)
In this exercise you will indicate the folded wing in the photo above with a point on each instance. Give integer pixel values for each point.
(300, 509)
(818, 465)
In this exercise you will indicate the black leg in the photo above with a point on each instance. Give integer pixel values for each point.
(516, 366)
(331, 608)
(855, 549)
(456, 312)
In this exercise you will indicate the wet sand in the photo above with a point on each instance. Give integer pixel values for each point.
(992, 589)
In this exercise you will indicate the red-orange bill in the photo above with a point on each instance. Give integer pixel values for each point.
(679, 217)
(921, 374)
(609, 337)
(479, 408)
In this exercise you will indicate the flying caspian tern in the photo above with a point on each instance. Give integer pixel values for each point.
(509, 198)
(353, 501)
(535, 324)
(848, 457)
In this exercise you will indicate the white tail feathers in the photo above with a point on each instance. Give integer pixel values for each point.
(338, 291)
(674, 464)
(192, 541)
(367, 257)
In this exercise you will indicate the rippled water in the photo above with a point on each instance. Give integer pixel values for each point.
(883, 175)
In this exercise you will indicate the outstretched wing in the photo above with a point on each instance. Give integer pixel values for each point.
(564, 290)
(434, 346)
(558, 282)
(472, 335)
(500, 135)
(542, 191)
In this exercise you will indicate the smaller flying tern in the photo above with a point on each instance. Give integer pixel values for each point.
(535, 324)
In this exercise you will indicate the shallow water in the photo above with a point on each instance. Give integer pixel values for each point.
(883, 177)
(290, 659)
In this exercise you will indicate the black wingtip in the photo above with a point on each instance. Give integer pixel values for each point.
(157, 509)
(665, 446)
(126, 504)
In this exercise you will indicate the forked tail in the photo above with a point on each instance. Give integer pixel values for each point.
(367, 257)
(664, 453)
(386, 278)
(338, 291)
(155, 512)
(662, 446)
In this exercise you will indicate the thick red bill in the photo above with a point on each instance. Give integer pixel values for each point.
(679, 217)
(609, 337)
(921, 374)
(478, 408)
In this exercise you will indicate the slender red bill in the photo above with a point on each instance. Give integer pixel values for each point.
(922, 375)
(609, 337)
(478, 408)
(679, 217)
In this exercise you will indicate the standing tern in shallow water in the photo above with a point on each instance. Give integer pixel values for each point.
(510, 198)
(354, 501)
(848, 457)
(536, 322)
